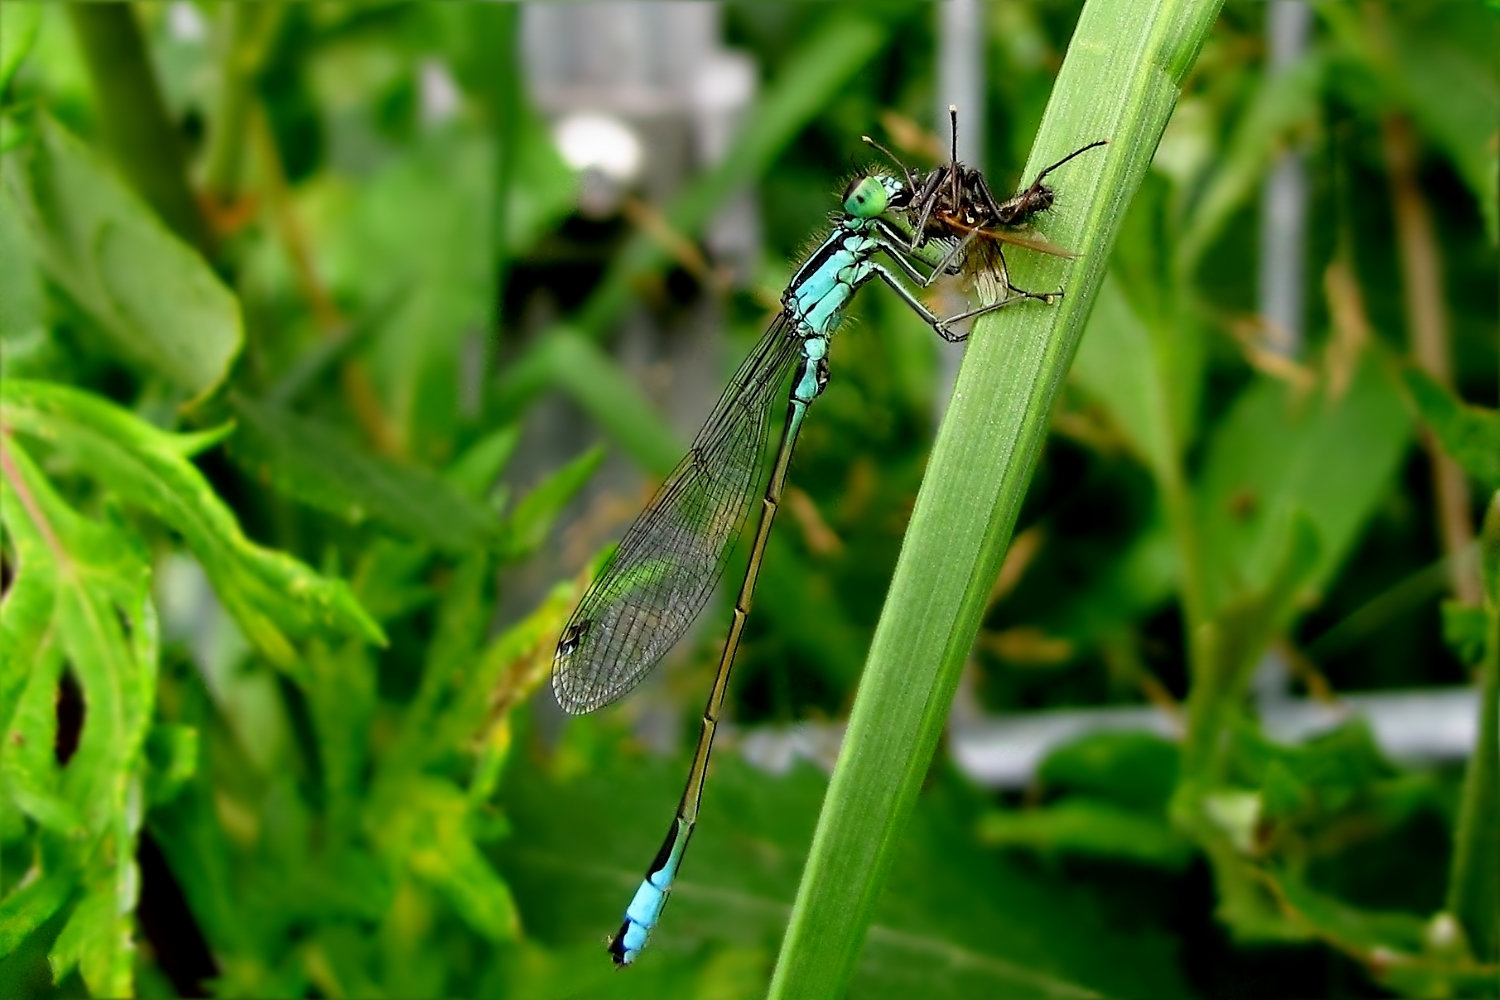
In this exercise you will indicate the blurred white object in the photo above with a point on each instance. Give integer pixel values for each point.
(185, 22)
(607, 154)
(1412, 727)
(1284, 198)
(1423, 727)
(591, 141)
(437, 92)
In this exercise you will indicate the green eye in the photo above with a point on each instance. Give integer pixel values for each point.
(866, 198)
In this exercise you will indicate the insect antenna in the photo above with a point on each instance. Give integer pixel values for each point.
(1065, 159)
(953, 154)
(910, 182)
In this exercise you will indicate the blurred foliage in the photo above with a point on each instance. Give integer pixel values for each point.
(262, 491)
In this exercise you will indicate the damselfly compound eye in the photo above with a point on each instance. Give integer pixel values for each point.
(866, 198)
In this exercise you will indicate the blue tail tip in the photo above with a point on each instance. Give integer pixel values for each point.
(623, 945)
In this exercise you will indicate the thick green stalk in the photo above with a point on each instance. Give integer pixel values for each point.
(1206, 695)
(1120, 80)
(1474, 882)
(133, 118)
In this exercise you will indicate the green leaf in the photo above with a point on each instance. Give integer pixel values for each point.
(469, 686)
(959, 921)
(513, 665)
(1277, 453)
(18, 24)
(43, 892)
(103, 629)
(1114, 788)
(475, 472)
(21, 299)
(33, 780)
(1333, 768)
(438, 193)
(172, 753)
(449, 668)
(318, 466)
(1444, 69)
(1465, 629)
(269, 593)
(1282, 794)
(1401, 933)
(1136, 770)
(340, 688)
(97, 940)
(306, 373)
(528, 525)
(25, 637)
(103, 624)
(424, 828)
(152, 296)
(1469, 434)
(1286, 102)
(1089, 828)
(390, 580)
(1116, 366)
(341, 960)
(598, 384)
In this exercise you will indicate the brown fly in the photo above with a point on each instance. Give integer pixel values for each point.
(953, 203)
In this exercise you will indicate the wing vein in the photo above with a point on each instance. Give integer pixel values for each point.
(673, 555)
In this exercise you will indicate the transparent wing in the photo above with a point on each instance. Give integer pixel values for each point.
(1027, 239)
(983, 265)
(673, 555)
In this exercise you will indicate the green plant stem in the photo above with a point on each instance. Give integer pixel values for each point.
(248, 30)
(133, 118)
(1474, 881)
(1205, 698)
(1120, 80)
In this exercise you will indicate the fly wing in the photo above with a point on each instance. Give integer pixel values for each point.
(983, 262)
(673, 555)
(1026, 239)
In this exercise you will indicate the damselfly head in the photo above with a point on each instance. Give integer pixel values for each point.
(870, 195)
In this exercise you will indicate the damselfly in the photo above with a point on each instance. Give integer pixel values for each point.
(670, 559)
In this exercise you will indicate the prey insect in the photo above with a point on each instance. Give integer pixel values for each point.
(953, 204)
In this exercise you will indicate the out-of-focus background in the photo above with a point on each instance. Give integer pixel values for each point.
(340, 339)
